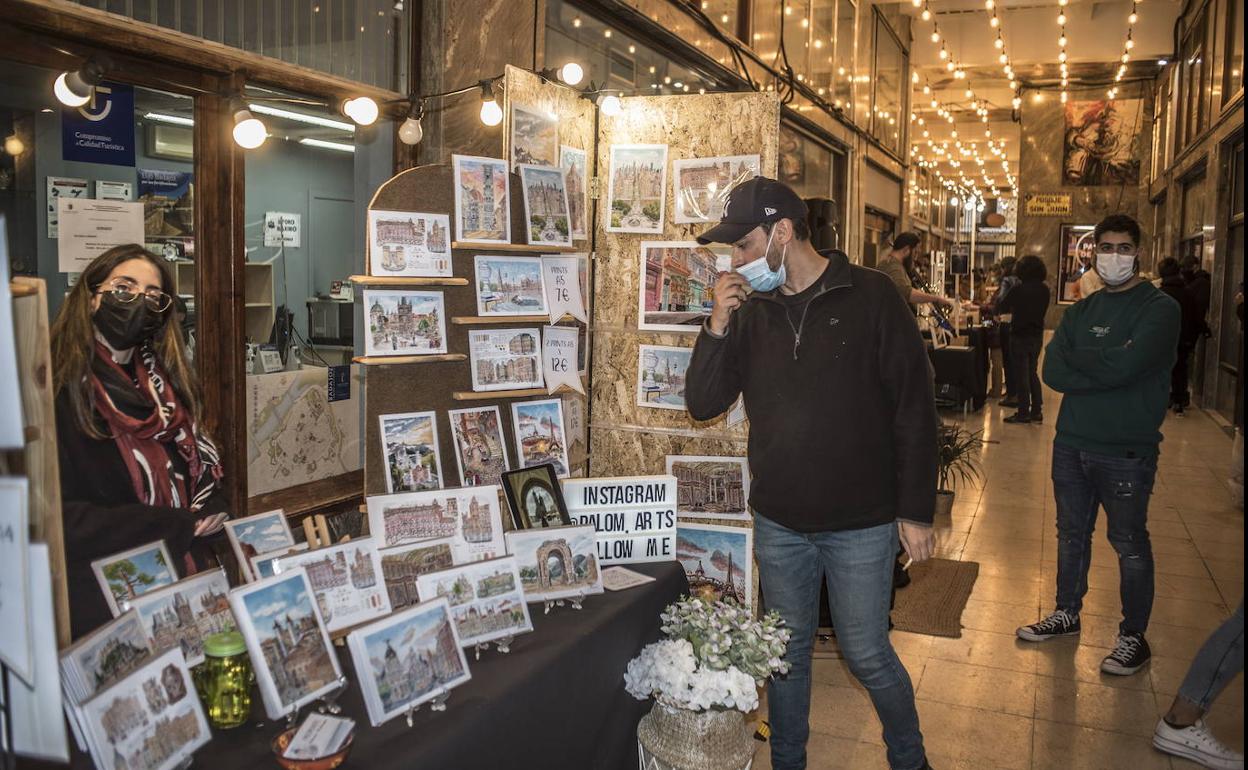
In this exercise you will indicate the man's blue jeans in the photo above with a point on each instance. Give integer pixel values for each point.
(858, 565)
(1221, 657)
(1082, 483)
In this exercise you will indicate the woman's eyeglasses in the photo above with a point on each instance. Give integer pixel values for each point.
(1125, 249)
(126, 293)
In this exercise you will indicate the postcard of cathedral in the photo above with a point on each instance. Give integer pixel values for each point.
(182, 614)
(486, 600)
(347, 581)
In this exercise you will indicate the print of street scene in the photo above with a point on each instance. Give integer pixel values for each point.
(636, 193)
(510, 286)
(290, 638)
(411, 452)
(661, 376)
(679, 282)
(413, 657)
(539, 428)
(714, 562)
(405, 323)
(547, 206)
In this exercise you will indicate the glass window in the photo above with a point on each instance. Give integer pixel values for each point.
(1161, 126)
(887, 94)
(1233, 73)
(823, 48)
(805, 165)
(1192, 65)
(155, 166)
(1193, 207)
(725, 13)
(846, 49)
(361, 40)
(611, 58)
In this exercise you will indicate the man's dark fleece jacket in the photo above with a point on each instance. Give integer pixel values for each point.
(838, 390)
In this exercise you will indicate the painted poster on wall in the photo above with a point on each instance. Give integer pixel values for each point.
(409, 243)
(1076, 260)
(674, 289)
(574, 162)
(702, 185)
(635, 188)
(1102, 142)
(102, 130)
(661, 376)
(534, 137)
(168, 199)
(718, 561)
(482, 200)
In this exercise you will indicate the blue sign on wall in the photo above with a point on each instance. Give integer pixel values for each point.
(102, 130)
(339, 383)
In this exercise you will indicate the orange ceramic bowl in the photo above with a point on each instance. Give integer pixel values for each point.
(329, 762)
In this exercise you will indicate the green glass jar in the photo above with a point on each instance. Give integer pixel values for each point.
(224, 680)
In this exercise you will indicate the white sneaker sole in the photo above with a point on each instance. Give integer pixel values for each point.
(1180, 749)
(1028, 636)
(1119, 670)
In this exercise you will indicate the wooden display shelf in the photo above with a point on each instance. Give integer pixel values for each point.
(472, 320)
(526, 247)
(397, 360)
(472, 395)
(406, 280)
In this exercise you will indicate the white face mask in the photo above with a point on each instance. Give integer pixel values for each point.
(1115, 269)
(759, 274)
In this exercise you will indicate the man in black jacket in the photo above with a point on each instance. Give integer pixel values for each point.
(1192, 325)
(842, 448)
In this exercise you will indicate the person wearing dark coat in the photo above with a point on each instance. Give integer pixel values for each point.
(1192, 325)
(1200, 284)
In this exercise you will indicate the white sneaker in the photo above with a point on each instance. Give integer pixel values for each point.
(1197, 744)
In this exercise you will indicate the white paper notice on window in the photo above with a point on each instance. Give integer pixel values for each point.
(563, 287)
(559, 349)
(620, 578)
(88, 228)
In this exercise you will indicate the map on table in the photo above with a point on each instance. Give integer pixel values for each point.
(294, 434)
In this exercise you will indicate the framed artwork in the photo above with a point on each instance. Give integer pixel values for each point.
(636, 184)
(718, 560)
(125, 576)
(546, 218)
(346, 580)
(674, 291)
(482, 200)
(469, 515)
(510, 286)
(251, 536)
(262, 563)
(401, 565)
(485, 599)
(409, 243)
(556, 563)
(404, 323)
(1102, 144)
(574, 163)
(409, 443)
(480, 448)
(711, 487)
(535, 498)
(1077, 257)
(152, 719)
(407, 659)
(702, 185)
(505, 359)
(286, 639)
(661, 376)
(104, 657)
(181, 615)
(534, 137)
(540, 434)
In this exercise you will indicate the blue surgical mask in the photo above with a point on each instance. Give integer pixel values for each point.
(759, 274)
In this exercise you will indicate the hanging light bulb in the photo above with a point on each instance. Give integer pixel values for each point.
(1061, 41)
(610, 105)
(362, 110)
(999, 43)
(994, 22)
(1061, 56)
(1017, 103)
(491, 113)
(1130, 43)
(1003, 58)
(1126, 57)
(74, 89)
(943, 54)
(249, 132)
(1061, 19)
(571, 73)
(1063, 97)
(926, 15)
(411, 132)
(927, 89)
(935, 36)
(14, 145)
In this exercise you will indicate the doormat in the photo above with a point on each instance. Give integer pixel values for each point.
(933, 602)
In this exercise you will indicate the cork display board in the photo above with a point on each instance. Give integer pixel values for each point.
(627, 439)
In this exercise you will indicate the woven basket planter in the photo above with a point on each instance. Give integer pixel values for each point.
(678, 739)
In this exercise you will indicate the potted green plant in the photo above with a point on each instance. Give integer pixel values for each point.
(957, 462)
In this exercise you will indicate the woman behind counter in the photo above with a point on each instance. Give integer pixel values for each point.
(135, 464)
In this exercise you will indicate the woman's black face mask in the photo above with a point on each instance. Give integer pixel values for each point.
(127, 324)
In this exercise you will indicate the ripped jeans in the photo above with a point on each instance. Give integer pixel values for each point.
(1082, 483)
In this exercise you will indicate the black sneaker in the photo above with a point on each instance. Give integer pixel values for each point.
(1009, 401)
(1129, 655)
(1018, 418)
(1178, 411)
(1058, 623)
(1037, 417)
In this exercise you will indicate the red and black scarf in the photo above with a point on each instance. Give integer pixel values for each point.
(144, 415)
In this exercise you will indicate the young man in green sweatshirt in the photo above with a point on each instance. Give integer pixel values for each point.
(1110, 358)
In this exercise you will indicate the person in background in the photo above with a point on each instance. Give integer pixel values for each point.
(1110, 358)
(899, 266)
(1182, 730)
(838, 389)
(1191, 326)
(1007, 284)
(137, 466)
(1027, 303)
(1089, 283)
(1200, 284)
(992, 330)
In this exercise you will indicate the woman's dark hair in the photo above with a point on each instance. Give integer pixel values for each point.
(1031, 268)
(1007, 265)
(73, 340)
(1168, 267)
(1117, 223)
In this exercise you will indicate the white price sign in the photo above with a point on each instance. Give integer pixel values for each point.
(634, 516)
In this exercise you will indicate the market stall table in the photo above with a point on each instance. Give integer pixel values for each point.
(556, 700)
(964, 368)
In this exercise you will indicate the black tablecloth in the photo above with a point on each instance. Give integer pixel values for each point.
(965, 369)
(557, 700)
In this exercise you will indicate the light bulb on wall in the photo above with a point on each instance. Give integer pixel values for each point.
(610, 105)
(13, 145)
(74, 89)
(491, 113)
(249, 132)
(571, 73)
(411, 132)
(362, 110)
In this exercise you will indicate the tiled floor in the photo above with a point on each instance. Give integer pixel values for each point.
(988, 700)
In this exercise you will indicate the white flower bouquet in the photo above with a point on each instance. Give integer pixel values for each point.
(715, 657)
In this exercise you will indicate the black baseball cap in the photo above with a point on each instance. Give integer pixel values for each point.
(752, 203)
